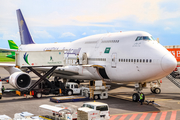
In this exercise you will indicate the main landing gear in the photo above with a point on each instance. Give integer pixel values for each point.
(138, 88)
(154, 87)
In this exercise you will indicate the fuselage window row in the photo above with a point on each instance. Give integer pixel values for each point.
(110, 41)
(97, 59)
(136, 60)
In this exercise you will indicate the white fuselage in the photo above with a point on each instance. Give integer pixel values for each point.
(124, 58)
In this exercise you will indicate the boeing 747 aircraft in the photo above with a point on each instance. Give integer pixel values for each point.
(125, 57)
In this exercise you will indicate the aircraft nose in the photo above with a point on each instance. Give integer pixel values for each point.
(168, 63)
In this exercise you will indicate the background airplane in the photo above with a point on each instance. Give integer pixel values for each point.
(119, 57)
(13, 46)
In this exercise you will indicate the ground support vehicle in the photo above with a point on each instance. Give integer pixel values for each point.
(93, 111)
(26, 116)
(95, 90)
(31, 59)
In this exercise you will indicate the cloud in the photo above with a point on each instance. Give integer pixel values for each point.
(42, 34)
(67, 34)
(167, 28)
(84, 33)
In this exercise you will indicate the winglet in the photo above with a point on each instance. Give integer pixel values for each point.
(23, 29)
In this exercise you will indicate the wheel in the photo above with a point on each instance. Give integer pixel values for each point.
(135, 97)
(157, 90)
(69, 92)
(96, 97)
(38, 95)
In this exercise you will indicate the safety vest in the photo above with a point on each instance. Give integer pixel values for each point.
(141, 96)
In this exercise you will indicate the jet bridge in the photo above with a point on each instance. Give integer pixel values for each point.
(31, 59)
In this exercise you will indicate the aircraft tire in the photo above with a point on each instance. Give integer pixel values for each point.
(135, 97)
(38, 95)
(157, 90)
(96, 97)
(69, 92)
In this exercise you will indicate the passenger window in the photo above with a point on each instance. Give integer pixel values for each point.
(121, 60)
(143, 60)
(147, 60)
(140, 60)
(134, 60)
(137, 60)
(150, 60)
(131, 60)
(71, 86)
(126, 60)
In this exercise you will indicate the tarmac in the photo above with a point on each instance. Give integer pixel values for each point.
(167, 105)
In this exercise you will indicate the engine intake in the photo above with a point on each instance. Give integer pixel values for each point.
(20, 80)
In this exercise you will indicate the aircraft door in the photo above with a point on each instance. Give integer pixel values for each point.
(113, 60)
(84, 59)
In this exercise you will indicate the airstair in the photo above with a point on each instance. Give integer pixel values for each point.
(173, 80)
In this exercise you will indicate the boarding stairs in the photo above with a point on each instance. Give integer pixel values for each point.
(173, 80)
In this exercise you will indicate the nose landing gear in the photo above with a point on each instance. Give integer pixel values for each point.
(155, 87)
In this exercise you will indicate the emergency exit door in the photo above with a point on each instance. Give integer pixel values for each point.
(113, 60)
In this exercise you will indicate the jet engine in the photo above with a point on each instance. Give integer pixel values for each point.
(20, 80)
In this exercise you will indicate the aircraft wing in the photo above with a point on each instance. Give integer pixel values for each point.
(6, 65)
(59, 71)
(6, 49)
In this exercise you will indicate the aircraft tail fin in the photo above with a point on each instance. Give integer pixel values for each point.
(23, 29)
(12, 45)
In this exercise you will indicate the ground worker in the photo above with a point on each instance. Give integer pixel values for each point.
(3, 88)
(77, 59)
(141, 98)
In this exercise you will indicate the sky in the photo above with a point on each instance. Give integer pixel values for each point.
(52, 21)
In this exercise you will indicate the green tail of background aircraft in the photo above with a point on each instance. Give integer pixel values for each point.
(12, 45)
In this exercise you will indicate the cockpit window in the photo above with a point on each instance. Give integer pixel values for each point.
(144, 38)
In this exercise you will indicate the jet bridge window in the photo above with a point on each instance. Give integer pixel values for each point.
(144, 38)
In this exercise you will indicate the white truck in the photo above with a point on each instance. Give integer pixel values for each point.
(93, 111)
(95, 90)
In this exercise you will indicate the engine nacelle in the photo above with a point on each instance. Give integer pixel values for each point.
(20, 80)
